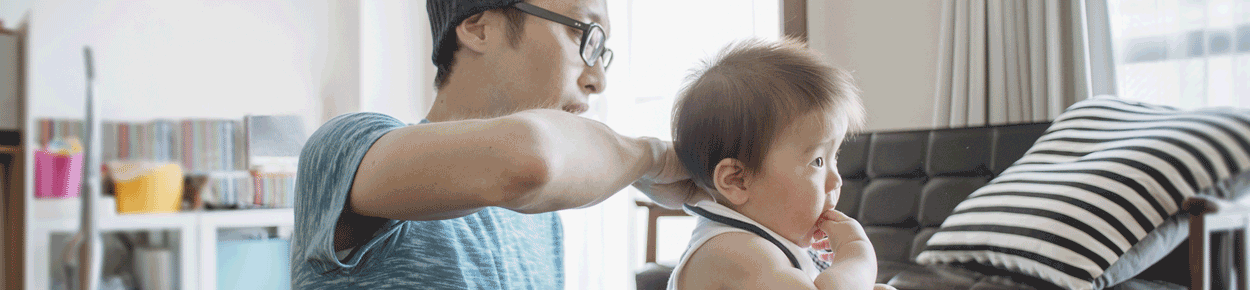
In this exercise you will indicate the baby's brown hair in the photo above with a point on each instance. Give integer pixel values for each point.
(737, 103)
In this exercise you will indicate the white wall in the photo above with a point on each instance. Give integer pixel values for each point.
(396, 74)
(225, 59)
(12, 11)
(341, 82)
(891, 47)
(176, 59)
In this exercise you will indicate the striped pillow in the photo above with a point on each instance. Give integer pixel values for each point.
(1104, 175)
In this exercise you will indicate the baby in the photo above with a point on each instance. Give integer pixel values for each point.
(759, 128)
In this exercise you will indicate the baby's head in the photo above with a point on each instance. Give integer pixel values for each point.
(759, 125)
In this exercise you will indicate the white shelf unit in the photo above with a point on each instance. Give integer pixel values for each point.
(36, 220)
(42, 218)
(197, 245)
(53, 216)
(210, 222)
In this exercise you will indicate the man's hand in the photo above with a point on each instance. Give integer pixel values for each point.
(667, 183)
(665, 167)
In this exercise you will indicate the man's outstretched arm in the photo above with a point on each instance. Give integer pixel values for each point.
(533, 161)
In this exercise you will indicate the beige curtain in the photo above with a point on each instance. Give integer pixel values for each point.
(1008, 61)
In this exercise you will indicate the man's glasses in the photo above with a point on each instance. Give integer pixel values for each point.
(593, 36)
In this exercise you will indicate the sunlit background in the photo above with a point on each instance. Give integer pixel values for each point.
(321, 58)
(1183, 53)
(657, 43)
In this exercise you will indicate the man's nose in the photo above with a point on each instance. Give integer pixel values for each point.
(593, 80)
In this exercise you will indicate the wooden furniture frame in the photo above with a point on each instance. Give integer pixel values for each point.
(654, 212)
(12, 213)
(794, 19)
(12, 195)
(1211, 215)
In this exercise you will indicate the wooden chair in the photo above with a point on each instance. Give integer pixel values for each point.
(1214, 217)
(653, 275)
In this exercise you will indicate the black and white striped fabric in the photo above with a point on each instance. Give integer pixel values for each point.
(1106, 173)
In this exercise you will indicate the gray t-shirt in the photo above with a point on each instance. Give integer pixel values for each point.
(493, 249)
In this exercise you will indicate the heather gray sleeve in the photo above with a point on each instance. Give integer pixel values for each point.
(327, 166)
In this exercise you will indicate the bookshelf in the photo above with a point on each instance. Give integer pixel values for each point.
(211, 222)
(195, 247)
(35, 228)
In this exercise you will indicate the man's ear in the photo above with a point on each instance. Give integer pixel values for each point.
(472, 32)
(730, 176)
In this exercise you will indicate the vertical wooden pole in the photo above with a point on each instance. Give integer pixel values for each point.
(1199, 246)
(794, 19)
(652, 217)
(14, 223)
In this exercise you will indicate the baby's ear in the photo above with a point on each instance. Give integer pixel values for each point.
(729, 177)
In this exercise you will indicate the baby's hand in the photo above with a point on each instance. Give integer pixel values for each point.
(840, 229)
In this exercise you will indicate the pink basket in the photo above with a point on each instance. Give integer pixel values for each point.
(57, 176)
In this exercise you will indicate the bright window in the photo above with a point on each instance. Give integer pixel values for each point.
(665, 42)
(1183, 53)
(657, 43)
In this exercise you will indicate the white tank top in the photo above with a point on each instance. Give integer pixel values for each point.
(706, 228)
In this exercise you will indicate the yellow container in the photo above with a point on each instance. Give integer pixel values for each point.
(147, 187)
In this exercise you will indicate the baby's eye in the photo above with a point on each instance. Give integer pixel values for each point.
(819, 162)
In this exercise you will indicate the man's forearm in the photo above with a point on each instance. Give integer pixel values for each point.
(533, 161)
(444, 170)
(584, 162)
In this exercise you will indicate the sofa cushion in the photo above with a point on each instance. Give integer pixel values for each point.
(897, 251)
(935, 277)
(890, 201)
(1010, 143)
(849, 197)
(886, 270)
(918, 243)
(939, 197)
(853, 157)
(959, 152)
(897, 155)
(1105, 174)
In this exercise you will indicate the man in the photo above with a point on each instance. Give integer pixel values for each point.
(465, 199)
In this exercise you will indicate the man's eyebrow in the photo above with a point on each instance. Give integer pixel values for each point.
(581, 11)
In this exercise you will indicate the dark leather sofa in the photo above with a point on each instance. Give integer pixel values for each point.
(901, 185)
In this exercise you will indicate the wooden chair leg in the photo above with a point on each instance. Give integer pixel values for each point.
(653, 218)
(1232, 260)
(654, 213)
(1199, 250)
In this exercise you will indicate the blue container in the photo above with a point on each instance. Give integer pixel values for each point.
(254, 264)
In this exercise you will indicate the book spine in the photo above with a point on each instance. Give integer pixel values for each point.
(123, 140)
(108, 141)
(227, 131)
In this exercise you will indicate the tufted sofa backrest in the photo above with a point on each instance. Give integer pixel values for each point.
(902, 185)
